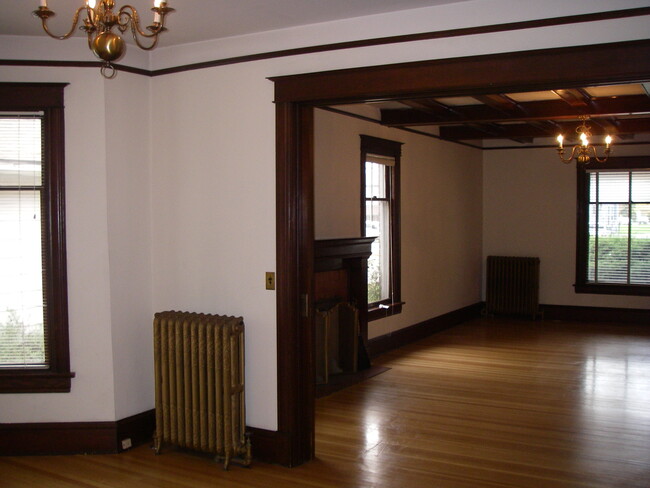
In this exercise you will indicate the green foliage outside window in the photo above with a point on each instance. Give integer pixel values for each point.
(18, 345)
(374, 286)
(613, 262)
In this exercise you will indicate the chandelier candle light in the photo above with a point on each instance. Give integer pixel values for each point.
(98, 25)
(583, 152)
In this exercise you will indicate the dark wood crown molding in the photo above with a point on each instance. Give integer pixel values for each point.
(442, 34)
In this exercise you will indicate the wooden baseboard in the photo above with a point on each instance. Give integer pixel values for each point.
(75, 437)
(596, 314)
(402, 337)
(139, 428)
(269, 446)
(56, 438)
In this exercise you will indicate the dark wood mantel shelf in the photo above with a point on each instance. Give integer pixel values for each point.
(330, 253)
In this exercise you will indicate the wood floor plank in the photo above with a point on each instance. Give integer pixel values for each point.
(492, 403)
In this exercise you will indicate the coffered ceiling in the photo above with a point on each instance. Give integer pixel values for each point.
(521, 119)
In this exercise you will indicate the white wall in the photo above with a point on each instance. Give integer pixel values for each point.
(89, 294)
(128, 184)
(440, 213)
(529, 205)
(211, 214)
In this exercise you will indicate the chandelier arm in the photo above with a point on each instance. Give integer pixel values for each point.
(134, 19)
(90, 40)
(604, 157)
(153, 44)
(560, 153)
(44, 13)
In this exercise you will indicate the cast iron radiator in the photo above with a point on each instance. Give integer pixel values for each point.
(512, 285)
(199, 384)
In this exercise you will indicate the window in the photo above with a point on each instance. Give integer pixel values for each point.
(380, 163)
(614, 227)
(34, 354)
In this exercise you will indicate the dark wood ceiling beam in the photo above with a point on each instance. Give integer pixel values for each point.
(496, 131)
(577, 98)
(607, 124)
(518, 131)
(610, 125)
(545, 125)
(432, 107)
(542, 110)
(501, 103)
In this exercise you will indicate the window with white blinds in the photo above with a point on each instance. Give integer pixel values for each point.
(619, 227)
(22, 321)
(34, 342)
(614, 227)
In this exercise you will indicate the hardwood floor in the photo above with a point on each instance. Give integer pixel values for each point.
(490, 403)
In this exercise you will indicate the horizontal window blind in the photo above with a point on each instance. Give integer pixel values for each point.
(22, 319)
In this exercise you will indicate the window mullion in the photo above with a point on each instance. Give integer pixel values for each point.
(629, 229)
(597, 238)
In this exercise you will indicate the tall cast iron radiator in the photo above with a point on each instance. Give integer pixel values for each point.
(512, 285)
(199, 375)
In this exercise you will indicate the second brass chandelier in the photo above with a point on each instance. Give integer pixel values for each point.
(584, 151)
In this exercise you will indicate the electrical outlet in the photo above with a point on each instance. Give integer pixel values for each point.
(126, 443)
(270, 280)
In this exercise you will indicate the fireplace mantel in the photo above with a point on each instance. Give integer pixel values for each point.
(341, 271)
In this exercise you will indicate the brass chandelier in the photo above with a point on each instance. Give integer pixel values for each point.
(99, 23)
(583, 152)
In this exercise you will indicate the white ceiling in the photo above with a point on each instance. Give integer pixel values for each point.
(200, 20)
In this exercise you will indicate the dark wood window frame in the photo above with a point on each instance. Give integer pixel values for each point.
(582, 244)
(46, 98)
(391, 149)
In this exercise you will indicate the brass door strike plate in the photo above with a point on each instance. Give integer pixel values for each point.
(270, 280)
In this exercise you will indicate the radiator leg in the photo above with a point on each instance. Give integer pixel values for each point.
(225, 459)
(248, 456)
(157, 442)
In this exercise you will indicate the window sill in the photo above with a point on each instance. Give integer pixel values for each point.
(612, 289)
(384, 310)
(25, 381)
